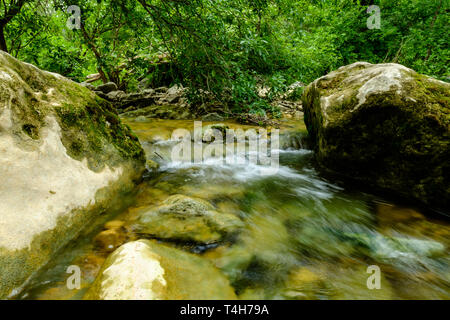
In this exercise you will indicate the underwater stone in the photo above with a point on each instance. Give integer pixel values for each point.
(188, 219)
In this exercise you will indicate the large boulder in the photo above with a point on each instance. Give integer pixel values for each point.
(145, 270)
(64, 155)
(383, 125)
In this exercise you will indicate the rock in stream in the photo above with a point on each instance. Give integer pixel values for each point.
(383, 125)
(64, 155)
(145, 270)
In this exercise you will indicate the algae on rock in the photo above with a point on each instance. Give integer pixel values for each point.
(384, 125)
(188, 219)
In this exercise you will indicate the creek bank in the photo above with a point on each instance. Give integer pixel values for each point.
(171, 103)
(383, 125)
(162, 102)
(65, 154)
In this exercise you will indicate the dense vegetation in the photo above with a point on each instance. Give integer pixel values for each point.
(227, 48)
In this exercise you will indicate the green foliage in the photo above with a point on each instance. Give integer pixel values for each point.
(226, 50)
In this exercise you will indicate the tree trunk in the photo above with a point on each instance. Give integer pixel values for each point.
(3, 45)
(432, 25)
(97, 55)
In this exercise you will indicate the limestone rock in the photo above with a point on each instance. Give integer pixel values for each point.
(109, 240)
(101, 94)
(212, 117)
(174, 112)
(116, 95)
(383, 125)
(64, 155)
(107, 87)
(174, 94)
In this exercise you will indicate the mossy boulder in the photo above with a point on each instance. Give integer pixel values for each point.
(64, 155)
(383, 125)
(187, 219)
(145, 270)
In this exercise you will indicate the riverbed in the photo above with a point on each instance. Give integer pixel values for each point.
(304, 236)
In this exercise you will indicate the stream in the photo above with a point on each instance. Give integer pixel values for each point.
(304, 237)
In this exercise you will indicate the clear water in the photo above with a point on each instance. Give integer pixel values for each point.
(305, 237)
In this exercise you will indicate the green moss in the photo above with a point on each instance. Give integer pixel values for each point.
(90, 129)
(100, 127)
(390, 139)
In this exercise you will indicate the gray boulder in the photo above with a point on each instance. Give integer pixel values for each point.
(88, 86)
(116, 96)
(383, 125)
(107, 87)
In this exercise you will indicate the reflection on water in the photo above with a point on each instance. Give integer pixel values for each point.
(303, 238)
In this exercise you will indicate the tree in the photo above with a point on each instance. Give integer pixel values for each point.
(112, 31)
(8, 10)
(224, 50)
(215, 46)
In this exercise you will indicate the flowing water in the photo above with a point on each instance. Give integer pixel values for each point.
(304, 237)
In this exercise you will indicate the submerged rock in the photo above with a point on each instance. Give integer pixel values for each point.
(350, 283)
(144, 270)
(188, 219)
(115, 225)
(64, 156)
(88, 86)
(384, 125)
(109, 240)
(304, 283)
(152, 165)
(214, 192)
(254, 119)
